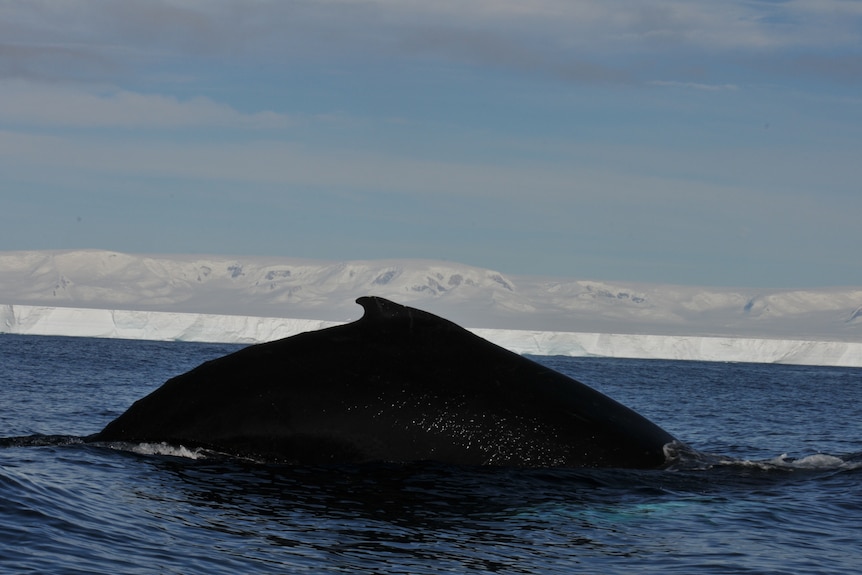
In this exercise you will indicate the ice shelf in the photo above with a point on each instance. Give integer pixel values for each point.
(199, 327)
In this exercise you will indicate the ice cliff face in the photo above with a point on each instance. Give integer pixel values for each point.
(174, 326)
(255, 288)
(159, 326)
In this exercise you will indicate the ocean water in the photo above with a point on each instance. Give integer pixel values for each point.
(774, 485)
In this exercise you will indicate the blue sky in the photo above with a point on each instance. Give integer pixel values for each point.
(696, 142)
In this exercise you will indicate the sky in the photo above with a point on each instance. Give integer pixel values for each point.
(693, 142)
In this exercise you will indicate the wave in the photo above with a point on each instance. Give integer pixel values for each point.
(162, 448)
(40, 440)
(680, 457)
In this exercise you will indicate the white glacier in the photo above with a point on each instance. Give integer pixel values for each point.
(178, 326)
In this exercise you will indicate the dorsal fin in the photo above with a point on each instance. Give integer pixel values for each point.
(378, 308)
(382, 312)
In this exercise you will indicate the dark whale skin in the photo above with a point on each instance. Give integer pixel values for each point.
(399, 384)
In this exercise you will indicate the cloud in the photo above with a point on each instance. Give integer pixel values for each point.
(592, 174)
(587, 40)
(35, 61)
(76, 105)
(695, 86)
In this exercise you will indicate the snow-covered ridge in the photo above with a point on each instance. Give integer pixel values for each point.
(231, 294)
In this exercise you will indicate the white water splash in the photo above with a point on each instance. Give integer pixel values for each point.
(166, 449)
(816, 461)
(681, 456)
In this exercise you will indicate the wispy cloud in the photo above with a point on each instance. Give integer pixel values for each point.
(695, 86)
(76, 105)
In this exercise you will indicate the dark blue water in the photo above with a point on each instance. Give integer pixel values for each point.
(781, 492)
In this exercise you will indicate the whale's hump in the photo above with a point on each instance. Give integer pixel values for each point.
(398, 384)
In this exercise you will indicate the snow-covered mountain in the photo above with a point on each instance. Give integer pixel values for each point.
(470, 296)
(178, 291)
(278, 287)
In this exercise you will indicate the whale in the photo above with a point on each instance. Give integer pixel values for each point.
(397, 385)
